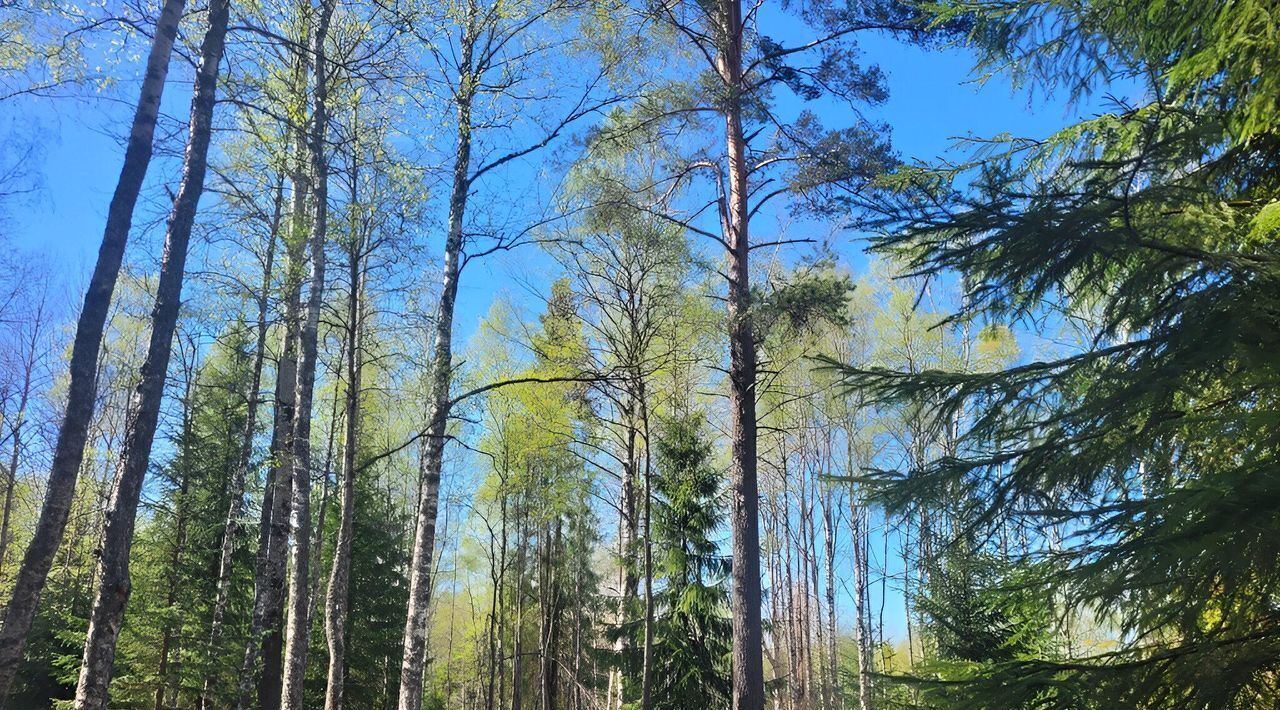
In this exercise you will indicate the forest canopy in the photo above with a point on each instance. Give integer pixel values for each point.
(622, 355)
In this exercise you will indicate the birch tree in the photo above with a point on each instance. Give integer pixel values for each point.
(488, 46)
(297, 606)
(113, 586)
(69, 451)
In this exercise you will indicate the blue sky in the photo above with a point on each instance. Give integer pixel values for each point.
(932, 102)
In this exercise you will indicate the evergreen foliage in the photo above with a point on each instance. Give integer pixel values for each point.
(701, 454)
(692, 640)
(378, 595)
(164, 649)
(978, 612)
(1149, 444)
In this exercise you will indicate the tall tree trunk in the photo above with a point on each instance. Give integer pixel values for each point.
(235, 506)
(265, 633)
(114, 586)
(860, 611)
(497, 569)
(628, 533)
(72, 436)
(10, 483)
(339, 577)
(11, 479)
(774, 563)
(748, 664)
(517, 645)
(646, 671)
(906, 591)
(267, 625)
(796, 572)
(298, 623)
(789, 604)
(813, 610)
(499, 587)
(834, 694)
(578, 686)
(337, 419)
(549, 659)
(413, 658)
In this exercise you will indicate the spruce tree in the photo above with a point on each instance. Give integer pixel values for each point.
(1152, 442)
(179, 545)
(693, 631)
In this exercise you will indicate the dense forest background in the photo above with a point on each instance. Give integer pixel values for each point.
(582, 354)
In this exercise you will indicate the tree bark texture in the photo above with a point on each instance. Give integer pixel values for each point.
(113, 584)
(265, 633)
(74, 433)
(235, 507)
(413, 657)
(297, 623)
(340, 575)
(748, 664)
